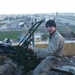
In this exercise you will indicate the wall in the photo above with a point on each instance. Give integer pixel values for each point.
(69, 48)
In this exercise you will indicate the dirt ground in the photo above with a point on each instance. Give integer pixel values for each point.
(66, 61)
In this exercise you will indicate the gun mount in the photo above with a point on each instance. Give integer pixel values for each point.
(20, 53)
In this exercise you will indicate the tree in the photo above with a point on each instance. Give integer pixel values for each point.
(73, 33)
(44, 36)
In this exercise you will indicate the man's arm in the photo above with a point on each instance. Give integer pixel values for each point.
(50, 50)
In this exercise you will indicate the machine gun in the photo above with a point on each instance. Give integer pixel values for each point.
(24, 57)
(20, 53)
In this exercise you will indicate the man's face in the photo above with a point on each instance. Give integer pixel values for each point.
(51, 29)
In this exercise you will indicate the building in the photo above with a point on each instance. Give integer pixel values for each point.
(37, 37)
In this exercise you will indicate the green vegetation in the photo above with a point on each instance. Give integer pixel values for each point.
(44, 36)
(10, 34)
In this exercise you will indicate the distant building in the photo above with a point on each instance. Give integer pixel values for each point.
(37, 37)
(3, 27)
(20, 25)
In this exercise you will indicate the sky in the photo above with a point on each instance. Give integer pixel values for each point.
(36, 6)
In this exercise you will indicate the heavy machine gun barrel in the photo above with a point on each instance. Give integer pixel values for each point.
(30, 32)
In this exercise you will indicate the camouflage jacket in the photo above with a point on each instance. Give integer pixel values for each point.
(55, 47)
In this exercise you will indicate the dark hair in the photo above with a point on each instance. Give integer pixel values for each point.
(50, 23)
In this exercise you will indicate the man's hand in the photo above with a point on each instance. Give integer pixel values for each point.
(30, 47)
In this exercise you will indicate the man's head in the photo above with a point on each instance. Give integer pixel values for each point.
(51, 26)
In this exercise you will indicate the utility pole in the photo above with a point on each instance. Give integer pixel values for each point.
(32, 37)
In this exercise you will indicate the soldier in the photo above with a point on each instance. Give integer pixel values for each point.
(52, 54)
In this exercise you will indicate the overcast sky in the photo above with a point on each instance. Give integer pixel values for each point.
(36, 6)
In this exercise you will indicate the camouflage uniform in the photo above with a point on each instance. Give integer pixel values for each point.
(51, 54)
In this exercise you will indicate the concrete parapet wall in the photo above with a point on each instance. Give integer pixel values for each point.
(69, 48)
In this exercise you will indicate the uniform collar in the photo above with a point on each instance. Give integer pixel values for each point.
(51, 35)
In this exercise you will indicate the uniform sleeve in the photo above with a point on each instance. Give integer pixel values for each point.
(50, 50)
